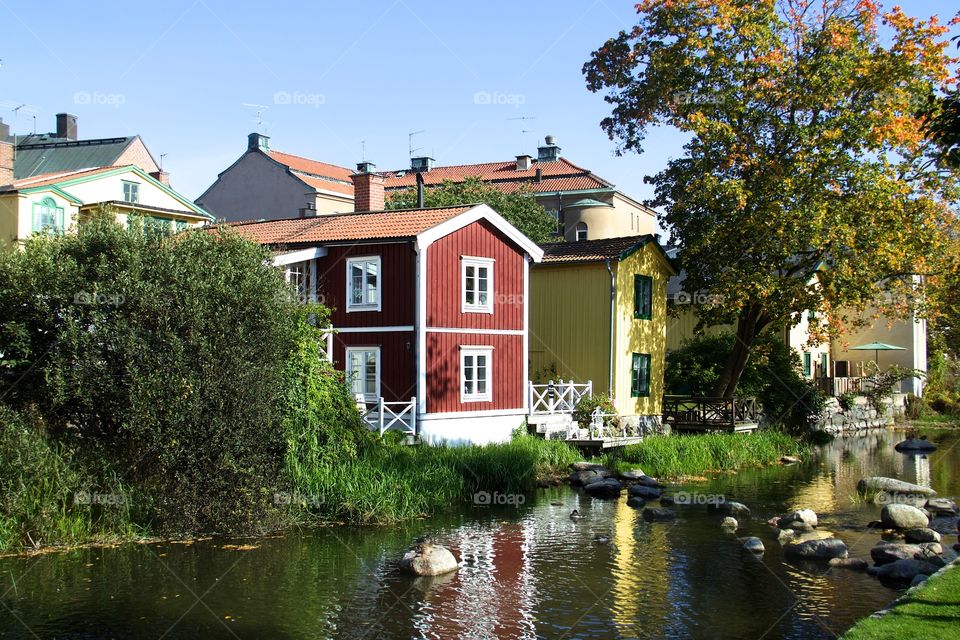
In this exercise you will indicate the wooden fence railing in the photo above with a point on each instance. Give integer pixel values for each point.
(693, 412)
(556, 397)
(385, 416)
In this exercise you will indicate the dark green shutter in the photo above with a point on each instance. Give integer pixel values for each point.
(806, 364)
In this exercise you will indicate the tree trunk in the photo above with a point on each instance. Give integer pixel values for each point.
(750, 322)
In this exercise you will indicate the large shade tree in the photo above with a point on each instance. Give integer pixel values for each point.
(807, 181)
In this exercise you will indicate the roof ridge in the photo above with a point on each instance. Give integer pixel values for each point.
(293, 155)
(350, 213)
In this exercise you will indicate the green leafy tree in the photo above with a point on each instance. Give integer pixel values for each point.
(519, 207)
(807, 181)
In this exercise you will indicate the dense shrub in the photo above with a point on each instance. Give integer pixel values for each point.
(164, 357)
(583, 412)
(772, 374)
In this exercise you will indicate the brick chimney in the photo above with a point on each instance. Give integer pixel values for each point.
(67, 126)
(163, 177)
(367, 188)
(6, 163)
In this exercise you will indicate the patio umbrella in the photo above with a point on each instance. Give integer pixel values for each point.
(877, 347)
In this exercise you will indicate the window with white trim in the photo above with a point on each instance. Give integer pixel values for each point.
(581, 231)
(476, 374)
(363, 372)
(47, 216)
(476, 283)
(131, 191)
(363, 284)
(298, 275)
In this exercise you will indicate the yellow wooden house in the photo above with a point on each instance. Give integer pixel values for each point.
(598, 312)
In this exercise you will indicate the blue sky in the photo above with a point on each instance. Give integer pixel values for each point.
(332, 75)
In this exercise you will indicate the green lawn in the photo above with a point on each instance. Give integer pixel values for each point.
(930, 611)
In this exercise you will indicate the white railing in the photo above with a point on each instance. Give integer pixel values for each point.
(556, 397)
(384, 416)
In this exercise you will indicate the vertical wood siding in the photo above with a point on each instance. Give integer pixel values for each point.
(479, 239)
(443, 371)
(398, 381)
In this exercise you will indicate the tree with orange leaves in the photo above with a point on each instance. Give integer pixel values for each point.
(807, 182)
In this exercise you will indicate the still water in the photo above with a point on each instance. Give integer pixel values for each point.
(527, 571)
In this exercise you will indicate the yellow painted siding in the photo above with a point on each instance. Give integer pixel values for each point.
(640, 336)
(9, 216)
(570, 322)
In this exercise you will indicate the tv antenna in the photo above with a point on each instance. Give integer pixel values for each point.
(524, 131)
(410, 135)
(161, 161)
(363, 151)
(258, 118)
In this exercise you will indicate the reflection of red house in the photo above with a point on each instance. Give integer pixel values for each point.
(427, 303)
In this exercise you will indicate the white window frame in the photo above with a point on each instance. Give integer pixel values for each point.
(366, 306)
(134, 191)
(347, 370)
(475, 351)
(577, 229)
(476, 263)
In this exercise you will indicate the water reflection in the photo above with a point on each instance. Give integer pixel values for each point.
(526, 573)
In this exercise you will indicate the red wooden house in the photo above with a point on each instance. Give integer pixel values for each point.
(428, 304)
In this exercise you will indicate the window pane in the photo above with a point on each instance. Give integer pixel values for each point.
(372, 275)
(356, 283)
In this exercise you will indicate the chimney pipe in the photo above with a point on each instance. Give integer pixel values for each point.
(6, 163)
(67, 126)
(308, 210)
(420, 194)
(367, 189)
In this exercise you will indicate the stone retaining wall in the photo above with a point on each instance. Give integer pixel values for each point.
(861, 415)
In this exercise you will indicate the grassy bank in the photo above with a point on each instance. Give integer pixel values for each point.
(669, 456)
(390, 482)
(929, 611)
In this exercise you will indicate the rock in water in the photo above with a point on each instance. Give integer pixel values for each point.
(887, 553)
(631, 474)
(903, 516)
(941, 507)
(903, 570)
(856, 564)
(823, 549)
(892, 485)
(428, 559)
(802, 520)
(650, 482)
(605, 489)
(667, 500)
(730, 508)
(645, 492)
(917, 536)
(729, 523)
(915, 444)
(658, 515)
(753, 545)
(917, 579)
(636, 502)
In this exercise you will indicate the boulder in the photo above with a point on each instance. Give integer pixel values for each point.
(653, 514)
(650, 482)
(589, 466)
(428, 559)
(930, 549)
(606, 489)
(631, 475)
(785, 535)
(645, 492)
(636, 502)
(903, 570)
(941, 507)
(753, 544)
(586, 476)
(856, 564)
(789, 460)
(729, 523)
(916, 536)
(730, 508)
(822, 549)
(802, 520)
(915, 445)
(919, 578)
(892, 485)
(903, 516)
(891, 552)
(667, 500)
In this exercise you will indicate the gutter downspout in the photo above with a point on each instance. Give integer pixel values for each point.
(613, 298)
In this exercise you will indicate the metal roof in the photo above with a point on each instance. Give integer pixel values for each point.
(60, 155)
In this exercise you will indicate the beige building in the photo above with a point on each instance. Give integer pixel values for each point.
(268, 184)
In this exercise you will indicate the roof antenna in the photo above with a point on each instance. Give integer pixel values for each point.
(363, 151)
(161, 161)
(410, 135)
(524, 132)
(258, 118)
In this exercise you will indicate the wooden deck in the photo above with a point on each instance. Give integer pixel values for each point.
(691, 413)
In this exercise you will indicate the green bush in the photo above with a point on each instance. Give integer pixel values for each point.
(846, 400)
(772, 375)
(164, 357)
(583, 412)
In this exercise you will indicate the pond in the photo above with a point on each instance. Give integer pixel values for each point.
(527, 571)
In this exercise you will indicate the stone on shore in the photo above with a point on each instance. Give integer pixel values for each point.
(822, 549)
(428, 559)
(903, 570)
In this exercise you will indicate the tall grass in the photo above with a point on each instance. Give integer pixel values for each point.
(389, 482)
(697, 454)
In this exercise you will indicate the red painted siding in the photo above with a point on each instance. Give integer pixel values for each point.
(397, 286)
(398, 380)
(479, 239)
(443, 371)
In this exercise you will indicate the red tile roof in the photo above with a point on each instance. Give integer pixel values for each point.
(372, 225)
(490, 172)
(326, 184)
(312, 167)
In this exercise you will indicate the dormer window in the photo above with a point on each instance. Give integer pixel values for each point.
(581, 231)
(131, 192)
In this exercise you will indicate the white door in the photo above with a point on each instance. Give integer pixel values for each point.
(363, 372)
